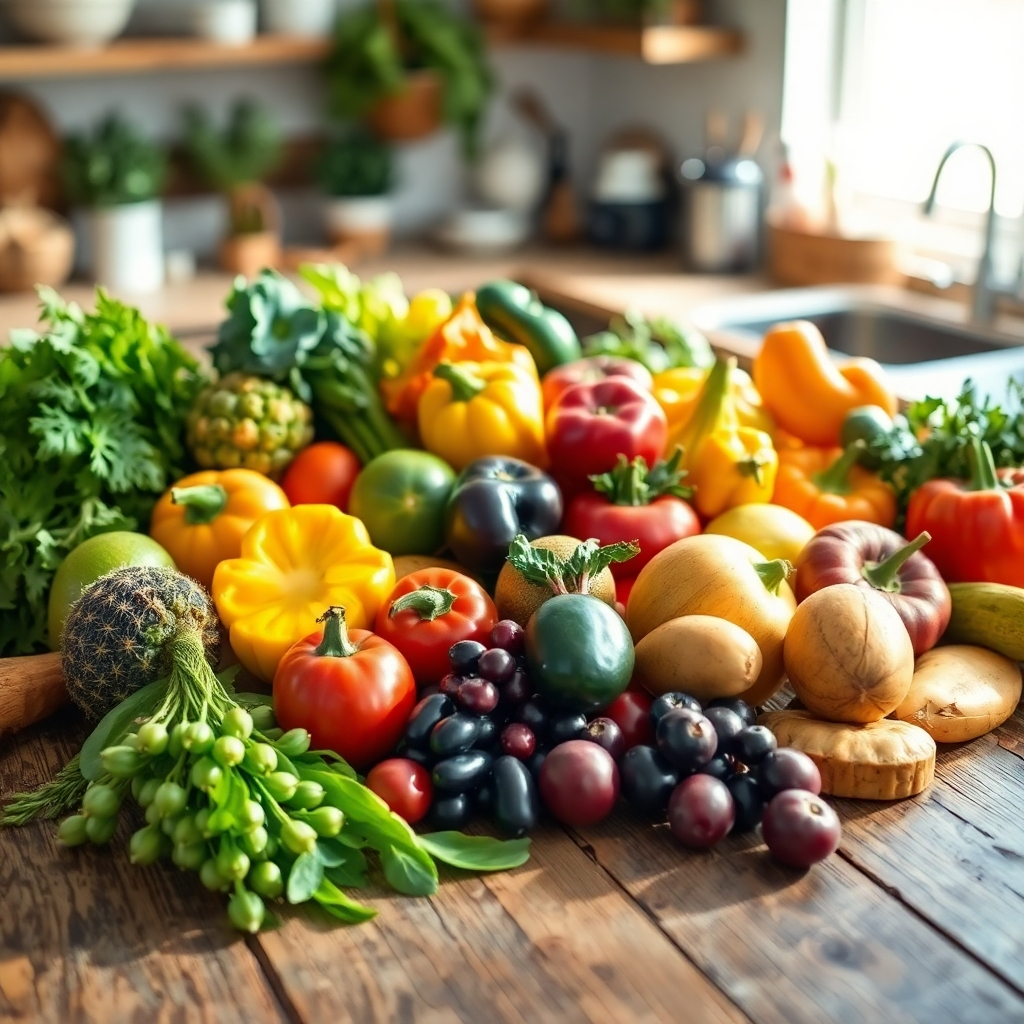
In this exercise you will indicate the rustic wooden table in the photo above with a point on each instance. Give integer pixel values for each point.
(919, 918)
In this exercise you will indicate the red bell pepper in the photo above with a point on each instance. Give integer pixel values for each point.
(879, 559)
(591, 369)
(977, 525)
(352, 691)
(591, 425)
(427, 612)
(633, 502)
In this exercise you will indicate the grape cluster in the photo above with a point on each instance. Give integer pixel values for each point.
(714, 771)
(478, 733)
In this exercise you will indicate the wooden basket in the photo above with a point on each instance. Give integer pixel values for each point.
(36, 247)
(806, 258)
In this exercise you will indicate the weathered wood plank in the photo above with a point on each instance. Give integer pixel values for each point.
(555, 940)
(85, 936)
(790, 946)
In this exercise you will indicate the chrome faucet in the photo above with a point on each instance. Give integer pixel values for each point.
(983, 300)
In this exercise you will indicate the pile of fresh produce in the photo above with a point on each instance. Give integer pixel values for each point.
(507, 580)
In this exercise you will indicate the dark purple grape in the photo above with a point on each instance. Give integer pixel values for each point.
(606, 733)
(748, 802)
(670, 702)
(752, 744)
(566, 726)
(483, 796)
(787, 768)
(487, 734)
(454, 735)
(700, 811)
(464, 656)
(509, 636)
(518, 740)
(536, 714)
(518, 689)
(800, 828)
(427, 713)
(428, 691)
(497, 665)
(740, 707)
(516, 802)
(728, 725)
(461, 773)
(449, 684)
(450, 812)
(535, 761)
(478, 696)
(686, 739)
(647, 780)
(422, 757)
(719, 767)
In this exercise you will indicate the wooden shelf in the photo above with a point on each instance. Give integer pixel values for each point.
(662, 44)
(130, 56)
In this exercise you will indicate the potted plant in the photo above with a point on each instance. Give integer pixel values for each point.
(356, 173)
(402, 65)
(117, 175)
(235, 161)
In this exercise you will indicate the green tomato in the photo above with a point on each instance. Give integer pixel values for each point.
(579, 652)
(401, 497)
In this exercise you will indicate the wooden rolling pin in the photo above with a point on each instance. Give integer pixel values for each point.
(31, 689)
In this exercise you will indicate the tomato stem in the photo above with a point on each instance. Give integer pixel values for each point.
(428, 602)
(773, 573)
(335, 642)
(983, 466)
(884, 575)
(203, 503)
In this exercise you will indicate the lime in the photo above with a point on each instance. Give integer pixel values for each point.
(92, 559)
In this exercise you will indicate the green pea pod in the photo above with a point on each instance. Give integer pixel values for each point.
(515, 313)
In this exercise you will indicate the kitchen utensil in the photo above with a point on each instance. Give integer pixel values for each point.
(628, 176)
(31, 689)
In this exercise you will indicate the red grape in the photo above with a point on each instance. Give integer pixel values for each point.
(497, 665)
(631, 712)
(700, 811)
(509, 636)
(787, 769)
(479, 696)
(800, 828)
(518, 741)
(579, 782)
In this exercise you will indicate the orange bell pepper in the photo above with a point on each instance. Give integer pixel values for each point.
(202, 519)
(825, 486)
(464, 337)
(806, 392)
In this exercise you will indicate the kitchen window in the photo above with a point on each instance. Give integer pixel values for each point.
(881, 87)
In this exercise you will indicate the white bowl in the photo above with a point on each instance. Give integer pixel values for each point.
(230, 22)
(483, 230)
(70, 22)
(309, 19)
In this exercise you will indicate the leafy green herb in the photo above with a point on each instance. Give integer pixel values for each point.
(659, 343)
(305, 877)
(632, 483)
(571, 575)
(92, 416)
(356, 164)
(476, 853)
(246, 151)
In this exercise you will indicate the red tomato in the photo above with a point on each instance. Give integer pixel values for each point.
(404, 786)
(322, 474)
(353, 691)
(436, 608)
(664, 521)
(588, 370)
(591, 425)
(631, 712)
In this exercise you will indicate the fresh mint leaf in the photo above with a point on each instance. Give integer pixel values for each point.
(476, 853)
(304, 878)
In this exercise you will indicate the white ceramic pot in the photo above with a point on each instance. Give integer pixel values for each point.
(307, 18)
(365, 220)
(70, 22)
(128, 247)
(229, 22)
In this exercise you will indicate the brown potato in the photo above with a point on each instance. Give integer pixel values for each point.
(848, 655)
(960, 693)
(704, 656)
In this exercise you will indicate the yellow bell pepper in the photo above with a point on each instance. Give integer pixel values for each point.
(295, 563)
(728, 464)
(678, 390)
(470, 410)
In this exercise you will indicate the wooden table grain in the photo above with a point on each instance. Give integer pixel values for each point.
(919, 918)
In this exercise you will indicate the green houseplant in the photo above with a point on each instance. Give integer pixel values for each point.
(117, 175)
(356, 173)
(403, 65)
(235, 161)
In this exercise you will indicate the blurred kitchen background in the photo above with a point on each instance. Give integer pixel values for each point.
(798, 139)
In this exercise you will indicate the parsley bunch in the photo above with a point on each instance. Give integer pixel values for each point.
(92, 418)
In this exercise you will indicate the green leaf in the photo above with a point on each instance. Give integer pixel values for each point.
(335, 902)
(350, 871)
(408, 873)
(539, 566)
(476, 853)
(305, 877)
(116, 723)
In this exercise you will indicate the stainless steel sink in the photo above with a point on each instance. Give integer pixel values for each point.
(923, 343)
